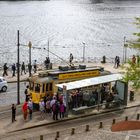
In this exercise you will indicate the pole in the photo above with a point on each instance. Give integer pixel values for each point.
(30, 67)
(48, 47)
(65, 99)
(18, 71)
(83, 52)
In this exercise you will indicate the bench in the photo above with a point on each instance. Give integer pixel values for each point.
(82, 109)
(114, 103)
(79, 110)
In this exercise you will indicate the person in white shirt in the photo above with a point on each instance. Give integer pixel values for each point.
(53, 101)
(30, 108)
(42, 108)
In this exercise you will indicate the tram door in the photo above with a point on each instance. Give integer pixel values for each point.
(122, 88)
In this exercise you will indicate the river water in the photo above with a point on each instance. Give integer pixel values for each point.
(68, 25)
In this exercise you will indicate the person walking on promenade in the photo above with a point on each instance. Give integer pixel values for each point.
(35, 66)
(115, 63)
(25, 110)
(134, 59)
(30, 68)
(71, 59)
(13, 113)
(23, 68)
(30, 108)
(47, 62)
(5, 68)
(13, 70)
(118, 61)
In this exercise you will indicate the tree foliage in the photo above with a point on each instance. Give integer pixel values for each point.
(132, 70)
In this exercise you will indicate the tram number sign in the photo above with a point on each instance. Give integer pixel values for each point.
(79, 74)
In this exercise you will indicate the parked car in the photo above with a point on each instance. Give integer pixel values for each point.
(3, 84)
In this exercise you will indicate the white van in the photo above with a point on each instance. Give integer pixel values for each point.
(3, 84)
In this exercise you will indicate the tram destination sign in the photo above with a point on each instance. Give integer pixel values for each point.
(79, 74)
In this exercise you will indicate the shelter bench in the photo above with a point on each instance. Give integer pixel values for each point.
(82, 109)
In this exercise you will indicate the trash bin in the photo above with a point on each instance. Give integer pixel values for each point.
(131, 95)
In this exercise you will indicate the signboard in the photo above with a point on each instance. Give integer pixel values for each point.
(79, 74)
(65, 99)
(65, 95)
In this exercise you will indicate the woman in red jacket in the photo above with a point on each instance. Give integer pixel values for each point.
(25, 110)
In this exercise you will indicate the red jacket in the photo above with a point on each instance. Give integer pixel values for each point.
(25, 107)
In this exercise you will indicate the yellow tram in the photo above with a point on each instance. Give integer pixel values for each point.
(44, 84)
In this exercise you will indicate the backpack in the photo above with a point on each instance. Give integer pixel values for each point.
(55, 107)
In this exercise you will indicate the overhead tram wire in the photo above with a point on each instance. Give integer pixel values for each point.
(58, 57)
(53, 54)
(49, 52)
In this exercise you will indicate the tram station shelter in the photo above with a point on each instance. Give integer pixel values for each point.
(121, 86)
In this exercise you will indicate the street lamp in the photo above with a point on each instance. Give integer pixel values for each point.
(18, 71)
(84, 45)
(48, 47)
(30, 66)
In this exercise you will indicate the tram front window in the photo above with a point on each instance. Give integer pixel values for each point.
(32, 86)
(37, 88)
(43, 88)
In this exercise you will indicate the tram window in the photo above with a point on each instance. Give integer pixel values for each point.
(37, 88)
(50, 86)
(31, 86)
(46, 87)
(43, 88)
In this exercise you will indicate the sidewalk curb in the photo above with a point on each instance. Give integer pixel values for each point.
(15, 81)
(73, 118)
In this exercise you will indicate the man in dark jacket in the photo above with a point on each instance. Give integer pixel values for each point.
(13, 70)
(5, 68)
(13, 113)
(23, 68)
(55, 109)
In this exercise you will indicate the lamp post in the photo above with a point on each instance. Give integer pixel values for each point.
(124, 48)
(18, 71)
(84, 51)
(48, 47)
(30, 66)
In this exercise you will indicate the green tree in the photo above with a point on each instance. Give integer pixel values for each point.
(132, 70)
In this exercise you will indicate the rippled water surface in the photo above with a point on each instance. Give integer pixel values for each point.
(67, 24)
